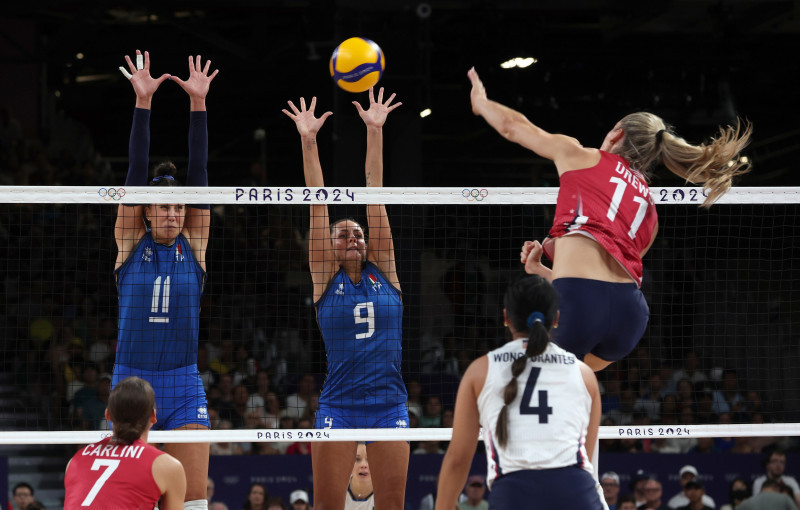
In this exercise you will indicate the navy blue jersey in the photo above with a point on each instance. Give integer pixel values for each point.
(361, 325)
(159, 306)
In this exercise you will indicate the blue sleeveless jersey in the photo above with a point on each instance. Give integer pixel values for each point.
(362, 328)
(159, 306)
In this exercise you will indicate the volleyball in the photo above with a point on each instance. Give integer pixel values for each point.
(357, 64)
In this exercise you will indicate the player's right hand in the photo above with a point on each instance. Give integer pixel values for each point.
(143, 84)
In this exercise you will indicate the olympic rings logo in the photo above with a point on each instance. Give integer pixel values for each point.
(475, 194)
(111, 193)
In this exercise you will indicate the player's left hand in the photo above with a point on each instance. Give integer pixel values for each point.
(199, 80)
(531, 256)
(378, 110)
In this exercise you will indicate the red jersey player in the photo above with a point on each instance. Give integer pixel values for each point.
(605, 218)
(123, 472)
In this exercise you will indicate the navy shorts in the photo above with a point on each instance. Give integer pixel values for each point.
(368, 417)
(603, 318)
(180, 396)
(550, 489)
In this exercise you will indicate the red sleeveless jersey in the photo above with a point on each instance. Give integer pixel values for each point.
(109, 476)
(610, 203)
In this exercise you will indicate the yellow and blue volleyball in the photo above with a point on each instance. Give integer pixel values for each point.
(357, 64)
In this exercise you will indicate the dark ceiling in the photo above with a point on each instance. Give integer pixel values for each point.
(698, 63)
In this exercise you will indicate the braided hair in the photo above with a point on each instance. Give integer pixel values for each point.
(531, 305)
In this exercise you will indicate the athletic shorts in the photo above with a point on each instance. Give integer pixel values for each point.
(550, 489)
(180, 396)
(393, 416)
(603, 318)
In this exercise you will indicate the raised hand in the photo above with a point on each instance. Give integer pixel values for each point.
(307, 124)
(478, 93)
(199, 80)
(378, 110)
(144, 85)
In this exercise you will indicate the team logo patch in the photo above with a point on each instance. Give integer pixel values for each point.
(178, 253)
(374, 281)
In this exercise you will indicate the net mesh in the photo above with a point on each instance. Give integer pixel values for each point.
(720, 354)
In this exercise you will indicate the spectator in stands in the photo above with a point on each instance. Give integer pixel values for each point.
(224, 401)
(690, 371)
(652, 496)
(209, 489)
(301, 447)
(685, 475)
(92, 412)
(475, 490)
(299, 500)
(610, 484)
(23, 495)
(414, 401)
(297, 402)
(257, 498)
(775, 464)
(276, 504)
(695, 492)
(626, 502)
(728, 399)
(238, 413)
(273, 408)
(637, 486)
(738, 492)
(260, 391)
(432, 415)
(770, 498)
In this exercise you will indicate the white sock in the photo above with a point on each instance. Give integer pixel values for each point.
(197, 504)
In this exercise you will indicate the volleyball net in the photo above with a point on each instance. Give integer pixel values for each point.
(720, 357)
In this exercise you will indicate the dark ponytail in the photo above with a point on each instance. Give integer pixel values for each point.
(130, 406)
(164, 175)
(531, 305)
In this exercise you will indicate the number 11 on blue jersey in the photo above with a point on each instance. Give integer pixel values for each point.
(163, 298)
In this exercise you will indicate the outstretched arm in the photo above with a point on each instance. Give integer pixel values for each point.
(565, 151)
(198, 217)
(380, 248)
(129, 226)
(320, 258)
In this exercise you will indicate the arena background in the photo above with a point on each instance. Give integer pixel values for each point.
(696, 63)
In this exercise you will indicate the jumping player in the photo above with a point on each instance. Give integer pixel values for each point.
(605, 219)
(539, 407)
(359, 310)
(160, 272)
(123, 472)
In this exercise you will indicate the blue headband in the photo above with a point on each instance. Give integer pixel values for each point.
(156, 179)
(535, 317)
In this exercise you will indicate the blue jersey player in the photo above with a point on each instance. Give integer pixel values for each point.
(160, 271)
(359, 310)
